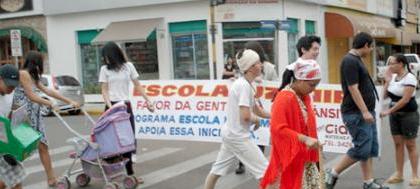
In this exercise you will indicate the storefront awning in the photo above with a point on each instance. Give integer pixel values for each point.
(28, 33)
(348, 24)
(133, 30)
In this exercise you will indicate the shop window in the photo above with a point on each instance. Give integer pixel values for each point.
(90, 56)
(144, 57)
(292, 38)
(236, 34)
(190, 50)
(310, 27)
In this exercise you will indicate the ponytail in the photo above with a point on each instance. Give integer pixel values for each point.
(287, 78)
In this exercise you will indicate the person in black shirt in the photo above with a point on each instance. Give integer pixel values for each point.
(358, 114)
(229, 69)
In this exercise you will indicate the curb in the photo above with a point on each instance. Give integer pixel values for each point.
(94, 112)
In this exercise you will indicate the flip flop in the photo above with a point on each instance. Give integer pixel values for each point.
(394, 180)
(415, 182)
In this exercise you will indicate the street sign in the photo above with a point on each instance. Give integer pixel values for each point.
(16, 43)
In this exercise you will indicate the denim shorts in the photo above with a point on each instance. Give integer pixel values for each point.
(364, 137)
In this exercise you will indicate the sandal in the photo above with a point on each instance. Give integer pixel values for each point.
(140, 180)
(52, 182)
(394, 179)
(414, 182)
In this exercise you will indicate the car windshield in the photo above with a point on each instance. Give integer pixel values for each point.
(67, 81)
(411, 59)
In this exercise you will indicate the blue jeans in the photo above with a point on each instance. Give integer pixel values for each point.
(364, 137)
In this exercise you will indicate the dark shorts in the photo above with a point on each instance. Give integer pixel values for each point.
(364, 137)
(405, 124)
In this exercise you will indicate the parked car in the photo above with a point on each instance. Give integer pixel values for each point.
(67, 86)
(413, 60)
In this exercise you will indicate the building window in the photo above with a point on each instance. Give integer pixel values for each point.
(190, 50)
(90, 56)
(144, 57)
(292, 38)
(310, 28)
(236, 34)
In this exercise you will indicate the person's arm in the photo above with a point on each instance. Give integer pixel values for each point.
(408, 91)
(259, 111)
(351, 77)
(26, 83)
(105, 94)
(56, 95)
(138, 88)
(358, 100)
(409, 87)
(385, 90)
(246, 117)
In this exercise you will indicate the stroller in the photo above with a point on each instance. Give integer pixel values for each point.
(101, 157)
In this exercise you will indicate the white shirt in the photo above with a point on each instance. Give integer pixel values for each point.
(270, 73)
(6, 105)
(397, 87)
(118, 81)
(240, 94)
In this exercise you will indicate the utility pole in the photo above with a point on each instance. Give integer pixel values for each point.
(213, 29)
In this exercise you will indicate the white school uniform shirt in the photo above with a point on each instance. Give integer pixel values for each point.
(240, 94)
(118, 81)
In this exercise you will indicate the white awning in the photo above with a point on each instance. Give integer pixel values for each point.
(133, 30)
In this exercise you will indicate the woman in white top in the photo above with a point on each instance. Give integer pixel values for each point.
(115, 77)
(404, 118)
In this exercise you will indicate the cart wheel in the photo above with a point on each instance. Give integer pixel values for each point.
(82, 180)
(63, 183)
(130, 182)
(111, 185)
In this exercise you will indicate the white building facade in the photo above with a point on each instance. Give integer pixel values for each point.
(171, 39)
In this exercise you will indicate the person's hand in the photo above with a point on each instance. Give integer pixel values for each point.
(75, 104)
(385, 113)
(368, 117)
(311, 143)
(257, 124)
(150, 106)
(53, 106)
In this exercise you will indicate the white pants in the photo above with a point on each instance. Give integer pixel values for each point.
(243, 149)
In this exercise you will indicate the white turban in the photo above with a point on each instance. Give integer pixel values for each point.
(247, 60)
(307, 70)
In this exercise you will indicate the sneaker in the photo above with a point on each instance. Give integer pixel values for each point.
(374, 185)
(330, 179)
(240, 170)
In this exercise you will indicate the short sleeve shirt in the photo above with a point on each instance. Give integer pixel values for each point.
(396, 91)
(240, 94)
(353, 71)
(118, 81)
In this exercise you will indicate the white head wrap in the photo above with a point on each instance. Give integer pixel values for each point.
(247, 60)
(307, 70)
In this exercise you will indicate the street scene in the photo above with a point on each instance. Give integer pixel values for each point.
(209, 94)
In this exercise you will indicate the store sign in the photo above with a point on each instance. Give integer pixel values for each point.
(16, 42)
(250, 1)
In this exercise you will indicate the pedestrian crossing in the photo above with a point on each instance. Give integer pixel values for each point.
(152, 177)
(156, 175)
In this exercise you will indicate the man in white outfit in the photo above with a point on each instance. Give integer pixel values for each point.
(243, 112)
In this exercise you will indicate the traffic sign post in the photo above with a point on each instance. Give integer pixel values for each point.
(16, 45)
